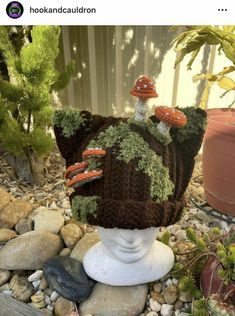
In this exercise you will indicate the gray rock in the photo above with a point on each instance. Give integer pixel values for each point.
(65, 252)
(51, 221)
(13, 212)
(21, 288)
(67, 277)
(6, 234)
(5, 198)
(63, 307)
(83, 245)
(202, 216)
(24, 226)
(30, 250)
(4, 276)
(151, 314)
(71, 234)
(157, 287)
(107, 300)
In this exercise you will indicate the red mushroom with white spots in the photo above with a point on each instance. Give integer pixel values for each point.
(143, 89)
(169, 117)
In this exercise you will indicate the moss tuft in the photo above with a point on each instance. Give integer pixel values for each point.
(69, 120)
(83, 205)
(132, 146)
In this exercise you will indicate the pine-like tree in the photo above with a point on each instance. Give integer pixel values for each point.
(27, 79)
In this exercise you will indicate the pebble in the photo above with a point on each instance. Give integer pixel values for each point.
(30, 250)
(157, 287)
(54, 206)
(168, 282)
(21, 288)
(49, 220)
(67, 277)
(47, 300)
(181, 234)
(63, 307)
(7, 234)
(151, 314)
(4, 276)
(167, 310)
(71, 233)
(170, 294)
(35, 276)
(38, 297)
(154, 305)
(175, 281)
(109, 300)
(24, 225)
(36, 285)
(158, 297)
(83, 245)
(178, 304)
(7, 292)
(13, 212)
(54, 296)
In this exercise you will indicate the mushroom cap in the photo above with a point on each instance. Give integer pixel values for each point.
(171, 116)
(144, 88)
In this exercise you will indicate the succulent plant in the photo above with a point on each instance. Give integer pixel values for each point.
(218, 307)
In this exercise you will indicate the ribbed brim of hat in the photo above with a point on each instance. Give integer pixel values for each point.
(131, 214)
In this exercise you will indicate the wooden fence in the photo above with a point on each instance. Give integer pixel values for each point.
(110, 58)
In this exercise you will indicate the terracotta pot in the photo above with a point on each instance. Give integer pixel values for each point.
(211, 283)
(219, 160)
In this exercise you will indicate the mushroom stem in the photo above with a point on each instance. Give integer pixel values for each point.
(141, 109)
(163, 127)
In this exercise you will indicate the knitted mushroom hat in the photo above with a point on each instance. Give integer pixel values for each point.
(125, 173)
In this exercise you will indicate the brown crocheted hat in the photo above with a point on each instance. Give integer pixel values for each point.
(131, 176)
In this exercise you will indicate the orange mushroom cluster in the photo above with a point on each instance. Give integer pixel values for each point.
(144, 88)
(78, 173)
(171, 116)
(85, 177)
(93, 152)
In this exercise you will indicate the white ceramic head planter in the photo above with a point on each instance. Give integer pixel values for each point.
(128, 257)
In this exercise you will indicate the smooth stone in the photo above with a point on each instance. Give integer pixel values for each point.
(178, 304)
(202, 216)
(152, 314)
(5, 198)
(6, 234)
(25, 225)
(65, 252)
(38, 297)
(167, 310)
(54, 296)
(67, 277)
(21, 288)
(30, 250)
(157, 287)
(13, 212)
(4, 276)
(5, 287)
(83, 245)
(37, 275)
(107, 300)
(71, 234)
(154, 305)
(170, 294)
(181, 234)
(51, 221)
(158, 297)
(63, 307)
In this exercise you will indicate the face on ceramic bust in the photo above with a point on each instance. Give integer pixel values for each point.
(126, 245)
